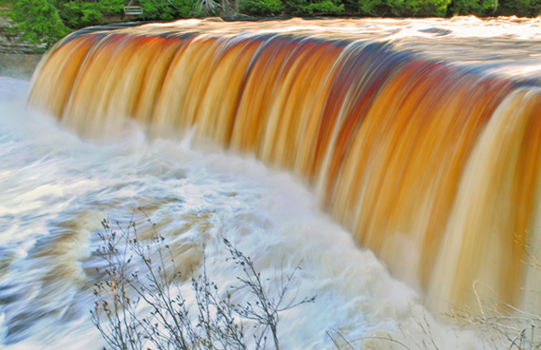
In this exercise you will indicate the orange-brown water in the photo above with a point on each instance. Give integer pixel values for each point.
(431, 159)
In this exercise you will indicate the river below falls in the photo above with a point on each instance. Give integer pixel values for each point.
(56, 188)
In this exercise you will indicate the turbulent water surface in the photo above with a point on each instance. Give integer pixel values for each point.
(56, 188)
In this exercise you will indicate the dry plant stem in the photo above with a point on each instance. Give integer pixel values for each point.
(533, 256)
(423, 334)
(266, 309)
(335, 342)
(483, 312)
(349, 342)
(507, 326)
(217, 324)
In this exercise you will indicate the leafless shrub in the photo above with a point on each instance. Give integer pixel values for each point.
(342, 341)
(498, 324)
(501, 325)
(137, 280)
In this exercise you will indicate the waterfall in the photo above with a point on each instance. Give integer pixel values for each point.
(433, 165)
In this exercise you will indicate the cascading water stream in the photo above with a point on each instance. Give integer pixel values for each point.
(420, 137)
(56, 189)
(395, 142)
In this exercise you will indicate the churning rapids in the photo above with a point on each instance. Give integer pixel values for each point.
(56, 188)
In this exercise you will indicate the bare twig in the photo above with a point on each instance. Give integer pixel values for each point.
(218, 323)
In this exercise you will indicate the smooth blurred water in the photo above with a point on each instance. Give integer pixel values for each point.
(55, 189)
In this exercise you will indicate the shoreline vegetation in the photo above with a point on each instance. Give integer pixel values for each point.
(43, 22)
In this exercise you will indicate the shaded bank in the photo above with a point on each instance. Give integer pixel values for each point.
(17, 59)
(19, 66)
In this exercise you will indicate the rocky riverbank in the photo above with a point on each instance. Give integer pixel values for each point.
(16, 65)
(17, 59)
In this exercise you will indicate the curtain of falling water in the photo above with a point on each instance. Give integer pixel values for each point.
(433, 167)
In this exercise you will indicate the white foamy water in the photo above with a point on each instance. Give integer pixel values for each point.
(55, 189)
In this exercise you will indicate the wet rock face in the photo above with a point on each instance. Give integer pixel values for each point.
(17, 59)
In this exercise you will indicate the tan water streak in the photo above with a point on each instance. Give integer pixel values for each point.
(494, 208)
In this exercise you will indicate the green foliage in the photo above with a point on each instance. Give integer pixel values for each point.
(261, 7)
(37, 21)
(46, 21)
(529, 8)
(78, 13)
(475, 7)
(378, 7)
(167, 10)
(410, 8)
(313, 7)
(429, 8)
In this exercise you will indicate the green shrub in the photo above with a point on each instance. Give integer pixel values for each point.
(313, 7)
(167, 10)
(521, 8)
(474, 7)
(37, 21)
(78, 14)
(261, 7)
(404, 8)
